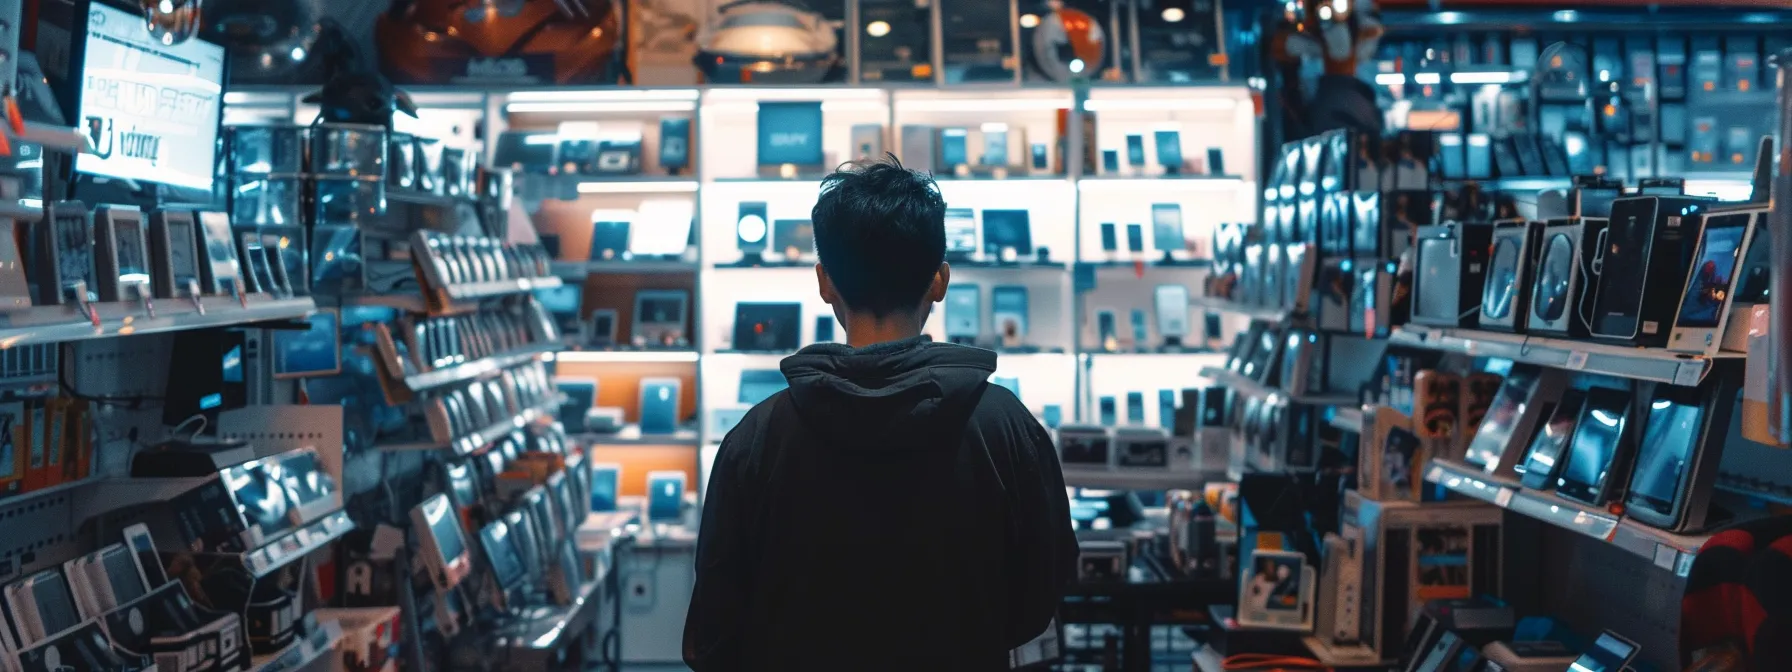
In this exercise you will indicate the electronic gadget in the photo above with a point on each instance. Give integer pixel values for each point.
(757, 385)
(1135, 408)
(954, 149)
(1110, 162)
(121, 254)
(1300, 266)
(498, 546)
(1548, 448)
(1505, 299)
(1009, 312)
(867, 142)
(665, 496)
(793, 239)
(752, 231)
(1137, 447)
(63, 254)
(659, 405)
(964, 313)
(577, 396)
(1135, 239)
(1304, 363)
(1641, 268)
(675, 144)
(443, 545)
(1676, 459)
(824, 328)
(918, 145)
(1563, 276)
(1109, 413)
(1599, 454)
(42, 606)
(1166, 230)
(1265, 355)
(1276, 590)
(609, 234)
(104, 579)
(220, 271)
(1135, 150)
(1166, 409)
(1610, 653)
(790, 133)
(151, 143)
(314, 351)
(1216, 161)
(1713, 280)
(1041, 157)
(1110, 240)
(1084, 445)
(660, 316)
(1139, 335)
(173, 262)
(1106, 336)
(961, 234)
(606, 482)
(1172, 313)
(1450, 271)
(1007, 234)
(1525, 398)
(662, 228)
(1169, 151)
(995, 144)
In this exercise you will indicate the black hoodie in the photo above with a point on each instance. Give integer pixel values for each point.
(892, 510)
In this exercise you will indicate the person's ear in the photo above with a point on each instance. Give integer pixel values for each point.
(826, 285)
(941, 280)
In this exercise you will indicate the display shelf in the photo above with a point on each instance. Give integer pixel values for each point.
(646, 356)
(1650, 364)
(10, 504)
(1274, 314)
(477, 441)
(57, 324)
(1021, 265)
(415, 302)
(313, 652)
(479, 368)
(1138, 479)
(536, 637)
(1247, 386)
(631, 436)
(484, 290)
(1172, 182)
(1152, 263)
(424, 198)
(577, 270)
(1348, 418)
(280, 552)
(1671, 552)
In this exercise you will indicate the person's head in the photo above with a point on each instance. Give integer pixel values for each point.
(880, 231)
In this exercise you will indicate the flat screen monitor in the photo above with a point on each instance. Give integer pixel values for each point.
(151, 109)
(605, 481)
(562, 300)
(1166, 227)
(770, 327)
(793, 238)
(609, 236)
(313, 351)
(1595, 442)
(790, 132)
(1670, 438)
(961, 231)
(758, 385)
(1004, 229)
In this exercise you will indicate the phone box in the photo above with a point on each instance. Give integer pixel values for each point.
(1412, 553)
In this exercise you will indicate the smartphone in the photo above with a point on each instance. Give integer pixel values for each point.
(1107, 411)
(1135, 150)
(1135, 408)
(1135, 237)
(1008, 308)
(1172, 311)
(1109, 241)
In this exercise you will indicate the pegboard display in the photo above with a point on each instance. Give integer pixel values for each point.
(37, 533)
(1590, 585)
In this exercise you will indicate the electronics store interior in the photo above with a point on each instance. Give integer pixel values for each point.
(1409, 335)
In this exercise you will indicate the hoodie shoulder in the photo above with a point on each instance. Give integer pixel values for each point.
(1000, 409)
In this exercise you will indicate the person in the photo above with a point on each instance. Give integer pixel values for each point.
(891, 509)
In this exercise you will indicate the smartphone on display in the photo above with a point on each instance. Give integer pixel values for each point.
(1108, 414)
(963, 312)
(961, 233)
(1172, 311)
(1009, 310)
(1135, 408)
(1135, 150)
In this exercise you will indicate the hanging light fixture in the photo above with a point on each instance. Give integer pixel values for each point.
(171, 21)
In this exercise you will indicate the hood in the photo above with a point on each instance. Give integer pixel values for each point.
(886, 396)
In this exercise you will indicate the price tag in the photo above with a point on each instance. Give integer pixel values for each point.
(1503, 497)
(1689, 373)
(1436, 475)
(1666, 556)
(1577, 360)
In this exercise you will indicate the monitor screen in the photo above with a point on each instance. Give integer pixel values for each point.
(665, 497)
(1005, 229)
(121, 574)
(500, 553)
(961, 231)
(305, 480)
(793, 234)
(151, 109)
(460, 485)
(1490, 442)
(523, 538)
(262, 501)
(604, 483)
(790, 132)
(1708, 288)
(767, 326)
(1670, 436)
(609, 238)
(55, 603)
(1166, 227)
(562, 300)
(757, 385)
(444, 527)
(1595, 441)
(314, 351)
(1546, 448)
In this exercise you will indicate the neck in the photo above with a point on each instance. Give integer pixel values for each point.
(865, 330)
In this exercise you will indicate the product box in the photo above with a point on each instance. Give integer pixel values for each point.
(1392, 458)
(1411, 553)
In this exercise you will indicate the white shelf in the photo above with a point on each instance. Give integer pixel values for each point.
(479, 368)
(1247, 386)
(1268, 313)
(1651, 364)
(58, 324)
(1671, 552)
(1138, 479)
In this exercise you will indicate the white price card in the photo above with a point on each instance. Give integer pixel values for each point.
(1577, 360)
(1503, 497)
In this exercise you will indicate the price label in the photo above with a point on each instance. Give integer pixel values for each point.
(1503, 497)
(1666, 557)
(1436, 475)
(1689, 373)
(1577, 360)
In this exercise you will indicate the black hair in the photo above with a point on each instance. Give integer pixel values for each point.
(880, 230)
